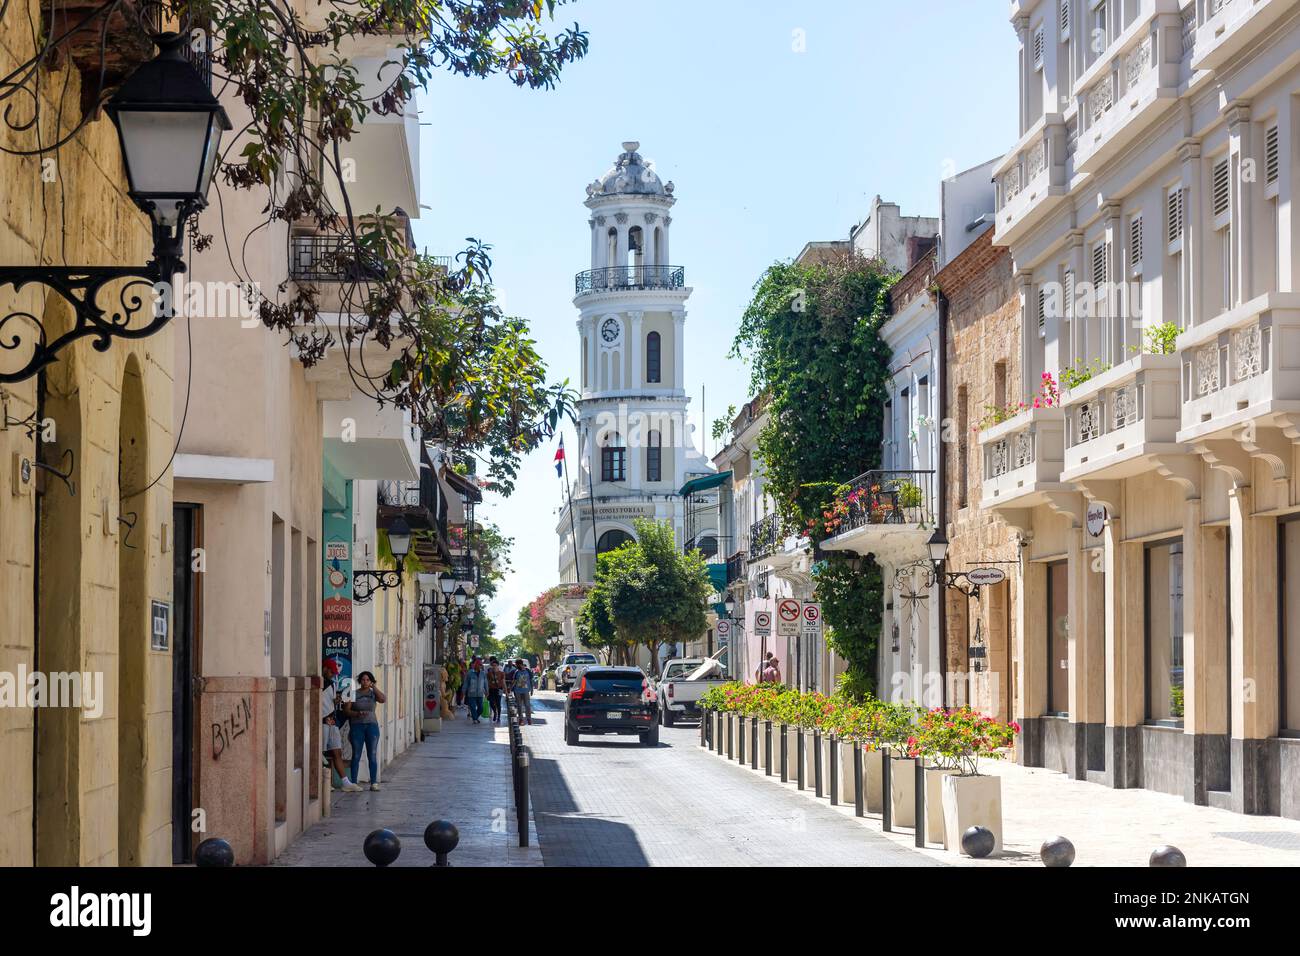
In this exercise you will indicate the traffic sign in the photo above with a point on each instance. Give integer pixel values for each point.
(812, 619)
(724, 628)
(787, 618)
(762, 623)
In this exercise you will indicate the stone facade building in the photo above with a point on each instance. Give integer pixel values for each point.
(983, 346)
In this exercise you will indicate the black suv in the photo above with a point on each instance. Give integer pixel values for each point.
(612, 700)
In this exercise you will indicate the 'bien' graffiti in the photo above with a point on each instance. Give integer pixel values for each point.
(235, 725)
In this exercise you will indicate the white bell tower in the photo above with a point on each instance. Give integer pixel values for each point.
(635, 445)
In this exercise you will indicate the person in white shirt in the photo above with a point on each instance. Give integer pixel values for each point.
(333, 738)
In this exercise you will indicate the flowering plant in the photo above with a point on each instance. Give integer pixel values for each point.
(956, 739)
(1048, 396)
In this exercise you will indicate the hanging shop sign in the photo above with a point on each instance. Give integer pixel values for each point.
(985, 577)
(1095, 520)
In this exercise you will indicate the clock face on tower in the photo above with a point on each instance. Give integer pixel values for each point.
(610, 330)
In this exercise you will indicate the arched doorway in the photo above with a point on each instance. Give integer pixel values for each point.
(133, 614)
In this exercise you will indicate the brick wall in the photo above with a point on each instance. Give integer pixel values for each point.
(983, 332)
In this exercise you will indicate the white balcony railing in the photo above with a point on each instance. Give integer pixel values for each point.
(1126, 411)
(1022, 455)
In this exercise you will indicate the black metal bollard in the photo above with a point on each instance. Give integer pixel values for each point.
(858, 808)
(767, 748)
(817, 763)
(919, 801)
(785, 747)
(441, 837)
(704, 722)
(214, 851)
(740, 738)
(753, 743)
(381, 847)
(886, 788)
(835, 771)
(521, 798)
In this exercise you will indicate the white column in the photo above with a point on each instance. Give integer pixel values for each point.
(679, 350)
(1243, 203)
(1193, 287)
(636, 374)
(593, 356)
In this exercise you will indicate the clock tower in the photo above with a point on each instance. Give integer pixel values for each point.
(635, 448)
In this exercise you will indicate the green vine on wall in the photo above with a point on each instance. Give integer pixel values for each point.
(812, 335)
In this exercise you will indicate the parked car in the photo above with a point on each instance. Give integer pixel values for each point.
(612, 700)
(685, 680)
(566, 672)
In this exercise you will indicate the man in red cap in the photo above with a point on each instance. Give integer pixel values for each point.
(333, 738)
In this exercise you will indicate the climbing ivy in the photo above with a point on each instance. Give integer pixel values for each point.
(812, 336)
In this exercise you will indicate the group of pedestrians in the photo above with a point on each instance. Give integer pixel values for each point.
(360, 716)
(490, 680)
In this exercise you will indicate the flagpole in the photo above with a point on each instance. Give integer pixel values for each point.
(573, 528)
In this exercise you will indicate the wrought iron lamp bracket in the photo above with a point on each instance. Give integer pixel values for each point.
(366, 583)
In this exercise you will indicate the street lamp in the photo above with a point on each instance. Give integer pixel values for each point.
(938, 544)
(366, 582)
(459, 596)
(448, 584)
(169, 128)
(730, 605)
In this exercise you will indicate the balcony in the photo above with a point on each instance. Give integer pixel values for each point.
(1223, 28)
(736, 567)
(330, 258)
(423, 507)
(1032, 178)
(890, 514)
(1243, 366)
(628, 279)
(1115, 419)
(1122, 94)
(1023, 458)
(764, 537)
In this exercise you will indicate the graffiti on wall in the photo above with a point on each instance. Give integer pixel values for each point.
(235, 724)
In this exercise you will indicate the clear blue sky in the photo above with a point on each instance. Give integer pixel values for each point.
(769, 148)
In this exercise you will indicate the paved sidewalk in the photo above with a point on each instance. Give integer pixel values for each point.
(461, 774)
(1107, 827)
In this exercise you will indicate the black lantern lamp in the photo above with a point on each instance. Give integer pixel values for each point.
(365, 583)
(169, 126)
(448, 584)
(938, 544)
(730, 605)
(459, 596)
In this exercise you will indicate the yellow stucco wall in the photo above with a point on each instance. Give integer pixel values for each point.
(77, 213)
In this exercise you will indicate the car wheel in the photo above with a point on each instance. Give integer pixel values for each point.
(669, 717)
(570, 735)
(651, 737)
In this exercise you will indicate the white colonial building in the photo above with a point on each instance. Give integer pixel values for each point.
(635, 448)
(1149, 206)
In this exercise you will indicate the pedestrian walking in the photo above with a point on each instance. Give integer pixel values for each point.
(772, 671)
(762, 668)
(476, 687)
(332, 718)
(364, 722)
(496, 684)
(522, 685)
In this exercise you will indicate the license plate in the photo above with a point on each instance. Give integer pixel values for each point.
(615, 715)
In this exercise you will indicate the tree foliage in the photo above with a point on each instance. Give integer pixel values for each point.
(812, 336)
(646, 592)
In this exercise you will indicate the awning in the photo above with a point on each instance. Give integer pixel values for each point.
(717, 576)
(704, 483)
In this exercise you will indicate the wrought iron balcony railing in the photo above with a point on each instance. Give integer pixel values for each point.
(888, 497)
(618, 278)
(736, 567)
(330, 259)
(764, 537)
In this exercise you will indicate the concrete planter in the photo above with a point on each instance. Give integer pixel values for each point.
(846, 748)
(934, 803)
(809, 758)
(968, 802)
(903, 791)
(873, 798)
(791, 751)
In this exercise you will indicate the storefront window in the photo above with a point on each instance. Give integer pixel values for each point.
(1289, 572)
(1058, 639)
(1164, 633)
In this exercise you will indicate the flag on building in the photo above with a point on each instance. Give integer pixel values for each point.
(559, 459)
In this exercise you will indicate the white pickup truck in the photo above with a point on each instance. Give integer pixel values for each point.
(684, 681)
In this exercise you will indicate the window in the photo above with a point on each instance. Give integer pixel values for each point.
(1042, 311)
(1220, 192)
(1099, 266)
(1065, 20)
(1288, 571)
(652, 357)
(1164, 633)
(1135, 246)
(1058, 638)
(654, 458)
(612, 539)
(1039, 42)
(1272, 159)
(613, 460)
(1174, 219)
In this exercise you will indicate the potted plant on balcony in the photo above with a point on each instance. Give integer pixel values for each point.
(956, 740)
(912, 500)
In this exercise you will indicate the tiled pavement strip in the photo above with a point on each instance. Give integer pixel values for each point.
(461, 774)
(611, 802)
